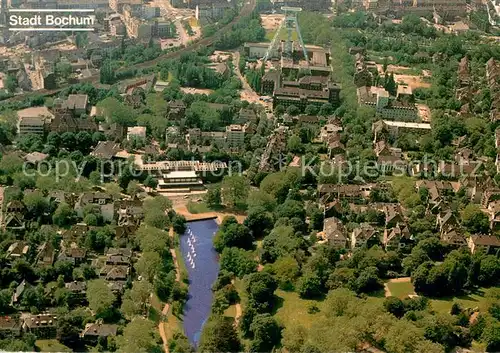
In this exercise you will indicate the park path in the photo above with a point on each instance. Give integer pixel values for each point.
(166, 308)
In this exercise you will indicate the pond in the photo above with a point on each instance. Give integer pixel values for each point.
(202, 265)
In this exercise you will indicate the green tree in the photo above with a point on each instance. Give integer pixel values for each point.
(394, 306)
(237, 261)
(235, 235)
(235, 190)
(63, 215)
(99, 296)
(266, 333)
(36, 203)
(474, 219)
(219, 335)
(148, 265)
(140, 335)
(135, 300)
(107, 73)
(213, 197)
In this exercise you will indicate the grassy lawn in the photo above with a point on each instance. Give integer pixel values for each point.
(231, 311)
(283, 35)
(197, 207)
(182, 266)
(401, 289)
(172, 325)
(475, 300)
(51, 346)
(293, 311)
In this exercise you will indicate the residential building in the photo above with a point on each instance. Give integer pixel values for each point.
(33, 120)
(385, 106)
(235, 136)
(392, 128)
(43, 326)
(136, 132)
(335, 233)
(10, 326)
(398, 238)
(351, 193)
(74, 255)
(363, 235)
(18, 250)
(78, 104)
(106, 149)
(96, 330)
(102, 200)
(46, 255)
(488, 244)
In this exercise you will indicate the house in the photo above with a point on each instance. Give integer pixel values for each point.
(102, 200)
(351, 193)
(332, 209)
(118, 256)
(117, 276)
(363, 235)
(78, 104)
(335, 233)
(493, 212)
(106, 149)
(437, 189)
(136, 132)
(488, 244)
(398, 238)
(10, 326)
(94, 331)
(74, 234)
(46, 255)
(35, 157)
(177, 109)
(77, 292)
(13, 218)
(332, 128)
(454, 237)
(16, 296)
(76, 287)
(393, 215)
(446, 221)
(125, 231)
(334, 146)
(74, 255)
(43, 326)
(18, 250)
(129, 212)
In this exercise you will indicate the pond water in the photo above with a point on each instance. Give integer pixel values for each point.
(203, 267)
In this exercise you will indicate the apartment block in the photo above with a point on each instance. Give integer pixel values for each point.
(33, 120)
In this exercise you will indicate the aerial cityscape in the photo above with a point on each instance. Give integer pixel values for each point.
(307, 176)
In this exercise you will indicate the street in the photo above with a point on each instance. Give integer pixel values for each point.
(177, 16)
(247, 93)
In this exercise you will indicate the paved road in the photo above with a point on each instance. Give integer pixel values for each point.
(247, 93)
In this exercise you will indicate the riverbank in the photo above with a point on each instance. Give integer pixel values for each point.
(218, 216)
(166, 309)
